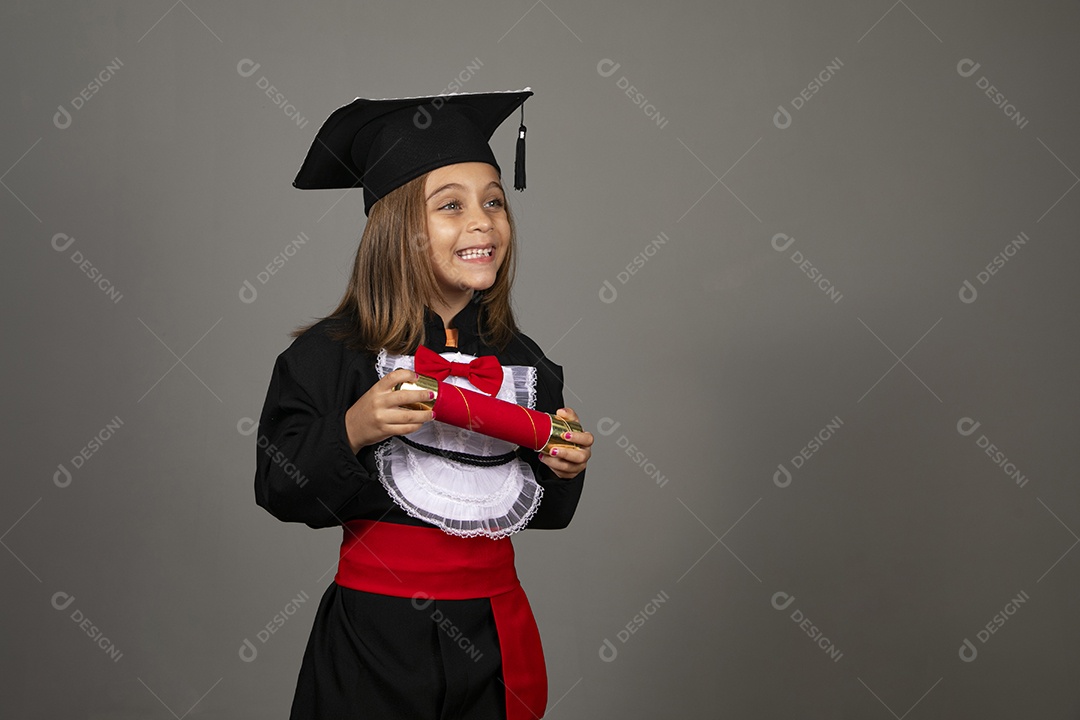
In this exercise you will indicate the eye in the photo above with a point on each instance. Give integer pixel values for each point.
(450, 205)
(495, 202)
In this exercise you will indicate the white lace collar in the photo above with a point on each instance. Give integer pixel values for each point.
(465, 500)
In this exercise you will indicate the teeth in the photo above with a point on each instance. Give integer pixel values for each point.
(474, 253)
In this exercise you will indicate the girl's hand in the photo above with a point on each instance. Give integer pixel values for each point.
(377, 414)
(569, 462)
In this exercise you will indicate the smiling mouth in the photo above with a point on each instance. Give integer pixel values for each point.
(475, 253)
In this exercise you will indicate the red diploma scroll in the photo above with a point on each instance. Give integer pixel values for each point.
(493, 417)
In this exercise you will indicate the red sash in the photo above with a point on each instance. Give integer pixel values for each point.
(420, 562)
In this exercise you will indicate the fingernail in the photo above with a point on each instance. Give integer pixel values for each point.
(554, 451)
(567, 436)
(431, 394)
(540, 455)
(432, 414)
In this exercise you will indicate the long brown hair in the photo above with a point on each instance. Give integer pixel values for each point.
(393, 281)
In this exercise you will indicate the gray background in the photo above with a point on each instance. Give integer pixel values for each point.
(718, 359)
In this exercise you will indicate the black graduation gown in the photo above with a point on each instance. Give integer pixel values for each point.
(370, 655)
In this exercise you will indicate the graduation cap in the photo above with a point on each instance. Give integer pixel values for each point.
(383, 144)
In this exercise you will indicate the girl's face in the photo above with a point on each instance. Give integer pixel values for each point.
(467, 227)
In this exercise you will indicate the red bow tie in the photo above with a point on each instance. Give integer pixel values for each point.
(485, 373)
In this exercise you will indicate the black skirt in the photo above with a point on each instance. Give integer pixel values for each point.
(380, 657)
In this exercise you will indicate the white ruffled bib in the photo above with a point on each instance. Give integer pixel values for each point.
(464, 500)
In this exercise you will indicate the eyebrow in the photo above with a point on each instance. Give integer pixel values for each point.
(459, 186)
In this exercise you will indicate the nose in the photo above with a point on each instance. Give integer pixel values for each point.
(479, 220)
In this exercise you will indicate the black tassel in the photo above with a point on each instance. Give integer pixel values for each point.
(519, 156)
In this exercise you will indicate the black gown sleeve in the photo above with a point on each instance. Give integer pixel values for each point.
(561, 496)
(306, 470)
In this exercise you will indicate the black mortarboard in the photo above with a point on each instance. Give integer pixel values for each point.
(383, 144)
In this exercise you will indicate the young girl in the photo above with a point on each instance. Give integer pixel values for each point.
(425, 618)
